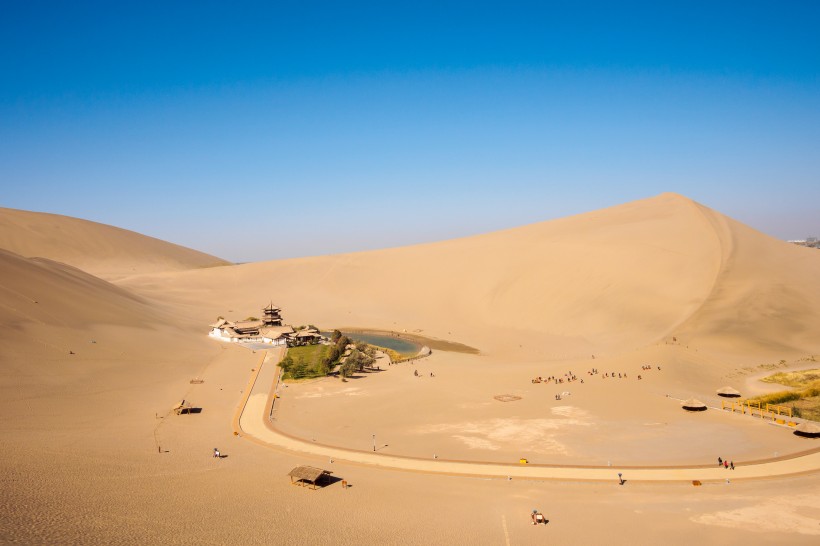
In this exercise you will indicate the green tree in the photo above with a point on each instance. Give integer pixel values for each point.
(299, 369)
(348, 368)
(286, 364)
(359, 360)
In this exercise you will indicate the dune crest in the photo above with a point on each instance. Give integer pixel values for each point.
(99, 249)
(606, 281)
(47, 293)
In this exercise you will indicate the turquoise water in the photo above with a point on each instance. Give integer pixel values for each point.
(399, 345)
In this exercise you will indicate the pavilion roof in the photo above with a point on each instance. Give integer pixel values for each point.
(307, 473)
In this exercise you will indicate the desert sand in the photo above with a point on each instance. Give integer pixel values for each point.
(101, 337)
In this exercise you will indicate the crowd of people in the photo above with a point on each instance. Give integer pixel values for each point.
(569, 377)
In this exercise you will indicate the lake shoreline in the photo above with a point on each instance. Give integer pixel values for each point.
(432, 343)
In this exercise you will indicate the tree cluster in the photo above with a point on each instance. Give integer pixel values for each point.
(297, 369)
(355, 362)
(360, 357)
(340, 342)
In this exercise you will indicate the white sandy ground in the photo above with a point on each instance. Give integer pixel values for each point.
(92, 455)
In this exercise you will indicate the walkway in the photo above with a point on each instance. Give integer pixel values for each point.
(253, 420)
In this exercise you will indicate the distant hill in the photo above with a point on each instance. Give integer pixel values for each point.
(99, 249)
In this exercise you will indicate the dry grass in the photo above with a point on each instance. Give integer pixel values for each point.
(779, 397)
(801, 378)
(395, 356)
(808, 408)
(805, 401)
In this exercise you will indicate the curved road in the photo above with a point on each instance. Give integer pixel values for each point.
(252, 419)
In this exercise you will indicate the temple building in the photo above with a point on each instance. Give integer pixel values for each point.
(273, 315)
(269, 330)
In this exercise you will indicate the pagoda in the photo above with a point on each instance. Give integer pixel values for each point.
(273, 316)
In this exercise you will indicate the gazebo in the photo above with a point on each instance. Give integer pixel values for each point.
(728, 392)
(693, 405)
(809, 430)
(307, 475)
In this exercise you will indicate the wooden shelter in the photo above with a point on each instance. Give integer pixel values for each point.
(809, 430)
(182, 407)
(728, 392)
(307, 475)
(693, 405)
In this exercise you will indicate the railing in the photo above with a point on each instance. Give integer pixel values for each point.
(752, 407)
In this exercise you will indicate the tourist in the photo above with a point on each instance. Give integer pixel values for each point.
(720, 461)
(732, 465)
(726, 465)
(620, 478)
(217, 454)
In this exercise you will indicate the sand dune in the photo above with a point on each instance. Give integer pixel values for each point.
(100, 249)
(598, 283)
(766, 299)
(89, 369)
(42, 291)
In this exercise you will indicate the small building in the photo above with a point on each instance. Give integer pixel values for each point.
(276, 336)
(308, 336)
(218, 328)
(248, 327)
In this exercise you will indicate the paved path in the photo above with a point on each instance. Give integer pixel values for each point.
(252, 420)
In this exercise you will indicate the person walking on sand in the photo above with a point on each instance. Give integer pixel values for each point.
(732, 465)
(216, 454)
(720, 461)
(726, 465)
(620, 478)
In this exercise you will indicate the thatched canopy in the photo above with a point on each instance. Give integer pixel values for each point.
(693, 405)
(307, 474)
(810, 430)
(728, 392)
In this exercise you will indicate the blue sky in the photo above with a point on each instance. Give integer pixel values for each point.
(333, 128)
